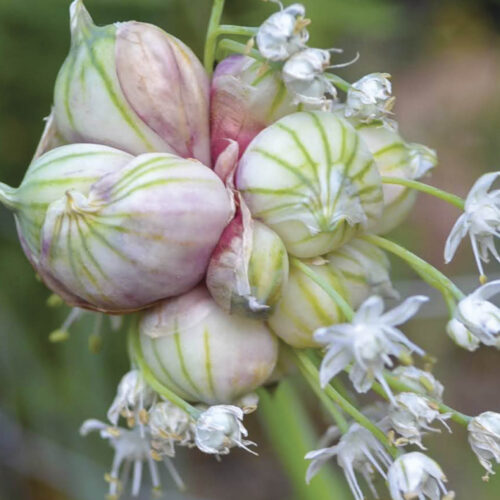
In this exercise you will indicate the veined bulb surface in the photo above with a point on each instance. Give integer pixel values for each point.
(311, 179)
(132, 86)
(246, 97)
(305, 306)
(141, 234)
(395, 158)
(203, 353)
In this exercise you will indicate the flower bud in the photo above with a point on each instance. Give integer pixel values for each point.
(204, 354)
(305, 306)
(132, 86)
(310, 179)
(484, 439)
(85, 231)
(461, 336)
(249, 267)
(419, 381)
(246, 97)
(395, 158)
(364, 270)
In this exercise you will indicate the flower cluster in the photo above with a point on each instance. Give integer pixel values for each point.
(236, 213)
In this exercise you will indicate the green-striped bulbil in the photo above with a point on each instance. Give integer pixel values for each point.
(305, 306)
(115, 233)
(311, 179)
(396, 158)
(204, 354)
(132, 86)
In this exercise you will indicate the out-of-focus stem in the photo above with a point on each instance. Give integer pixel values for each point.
(338, 81)
(292, 435)
(346, 309)
(240, 48)
(152, 381)
(306, 364)
(399, 386)
(212, 33)
(425, 188)
(428, 272)
(228, 29)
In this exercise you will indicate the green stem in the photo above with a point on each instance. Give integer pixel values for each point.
(399, 386)
(212, 33)
(425, 188)
(346, 309)
(292, 435)
(228, 29)
(7, 196)
(307, 365)
(339, 82)
(152, 381)
(241, 48)
(428, 273)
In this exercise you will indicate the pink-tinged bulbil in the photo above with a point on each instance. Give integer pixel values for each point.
(110, 232)
(249, 267)
(203, 353)
(246, 97)
(132, 86)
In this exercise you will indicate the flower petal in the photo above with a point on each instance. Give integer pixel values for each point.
(404, 311)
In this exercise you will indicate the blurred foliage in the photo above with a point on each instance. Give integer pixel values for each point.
(445, 60)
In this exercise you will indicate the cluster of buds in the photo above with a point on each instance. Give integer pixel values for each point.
(238, 217)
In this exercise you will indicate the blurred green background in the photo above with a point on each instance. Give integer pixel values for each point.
(445, 60)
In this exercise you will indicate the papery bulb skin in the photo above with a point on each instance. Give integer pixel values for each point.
(310, 178)
(305, 306)
(141, 234)
(394, 158)
(249, 267)
(246, 97)
(203, 353)
(132, 86)
(364, 271)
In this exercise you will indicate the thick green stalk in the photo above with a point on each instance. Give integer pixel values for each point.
(425, 188)
(306, 364)
(346, 309)
(152, 381)
(428, 273)
(292, 435)
(212, 33)
(7, 196)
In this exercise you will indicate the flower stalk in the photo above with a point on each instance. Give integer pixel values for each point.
(452, 199)
(428, 272)
(153, 382)
(305, 364)
(212, 34)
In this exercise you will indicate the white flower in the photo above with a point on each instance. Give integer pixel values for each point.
(480, 316)
(132, 449)
(283, 33)
(419, 381)
(368, 342)
(220, 428)
(304, 76)
(370, 98)
(461, 336)
(412, 413)
(484, 438)
(132, 396)
(422, 159)
(481, 220)
(358, 450)
(169, 425)
(415, 475)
